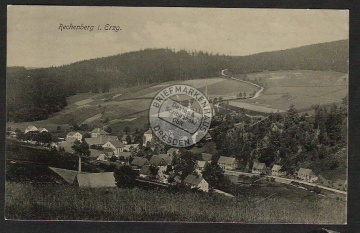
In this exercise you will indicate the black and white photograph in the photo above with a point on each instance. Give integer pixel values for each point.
(177, 114)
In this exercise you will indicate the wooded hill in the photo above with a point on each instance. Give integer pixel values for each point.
(34, 94)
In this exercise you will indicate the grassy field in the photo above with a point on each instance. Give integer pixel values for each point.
(302, 88)
(58, 202)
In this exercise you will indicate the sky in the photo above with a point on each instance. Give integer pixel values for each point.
(34, 37)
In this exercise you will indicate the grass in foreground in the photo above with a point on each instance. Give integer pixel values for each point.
(71, 203)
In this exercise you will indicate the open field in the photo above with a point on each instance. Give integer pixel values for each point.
(302, 88)
(71, 203)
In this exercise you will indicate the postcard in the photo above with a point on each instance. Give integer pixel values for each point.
(157, 114)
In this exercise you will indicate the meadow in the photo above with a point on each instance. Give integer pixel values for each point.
(59, 202)
(303, 88)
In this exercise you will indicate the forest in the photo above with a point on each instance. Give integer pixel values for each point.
(35, 94)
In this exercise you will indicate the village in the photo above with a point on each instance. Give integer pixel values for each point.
(155, 167)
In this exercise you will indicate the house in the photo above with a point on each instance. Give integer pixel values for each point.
(227, 163)
(161, 160)
(116, 146)
(75, 135)
(259, 168)
(206, 157)
(32, 129)
(124, 154)
(96, 180)
(95, 153)
(68, 175)
(43, 130)
(102, 157)
(200, 165)
(196, 182)
(71, 140)
(139, 162)
(147, 137)
(145, 171)
(171, 151)
(98, 132)
(276, 171)
(307, 175)
(131, 147)
(99, 141)
(67, 146)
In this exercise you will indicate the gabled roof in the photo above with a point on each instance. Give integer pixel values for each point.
(70, 140)
(145, 170)
(31, 128)
(148, 132)
(305, 171)
(99, 140)
(201, 164)
(67, 146)
(259, 166)
(193, 179)
(99, 131)
(72, 133)
(276, 168)
(67, 175)
(226, 160)
(132, 145)
(206, 156)
(172, 150)
(96, 180)
(139, 161)
(125, 154)
(116, 144)
(43, 129)
(95, 153)
(156, 159)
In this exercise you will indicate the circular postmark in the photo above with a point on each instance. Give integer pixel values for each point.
(180, 115)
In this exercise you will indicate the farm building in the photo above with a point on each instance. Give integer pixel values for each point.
(139, 162)
(96, 180)
(227, 163)
(95, 153)
(116, 146)
(161, 160)
(98, 132)
(307, 175)
(206, 157)
(67, 146)
(196, 182)
(75, 135)
(31, 128)
(258, 168)
(71, 140)
(276, 171)
(147, 137)
(68, 175)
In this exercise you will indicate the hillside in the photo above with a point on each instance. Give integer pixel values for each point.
(35, 94)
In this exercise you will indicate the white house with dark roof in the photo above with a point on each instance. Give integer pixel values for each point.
(307, 175)
(74, 134)
(197, 182)
(116, 146)
(31, 128)
(259, 168)
(98, 132)
(227, 163)
(147, 137)
(276, 171)
(43, 130)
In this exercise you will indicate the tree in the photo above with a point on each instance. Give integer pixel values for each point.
(214, 175)
(128, 139)
(81, 148)
(127, 130)
(44, 137)
(58, 128)
(108, 129)
(154, 170)
(125, 177)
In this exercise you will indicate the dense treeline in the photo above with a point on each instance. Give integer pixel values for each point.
(37, 93)
(286, 139)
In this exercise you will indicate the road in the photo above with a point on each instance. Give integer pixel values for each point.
(257, 94)
(228, 172)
